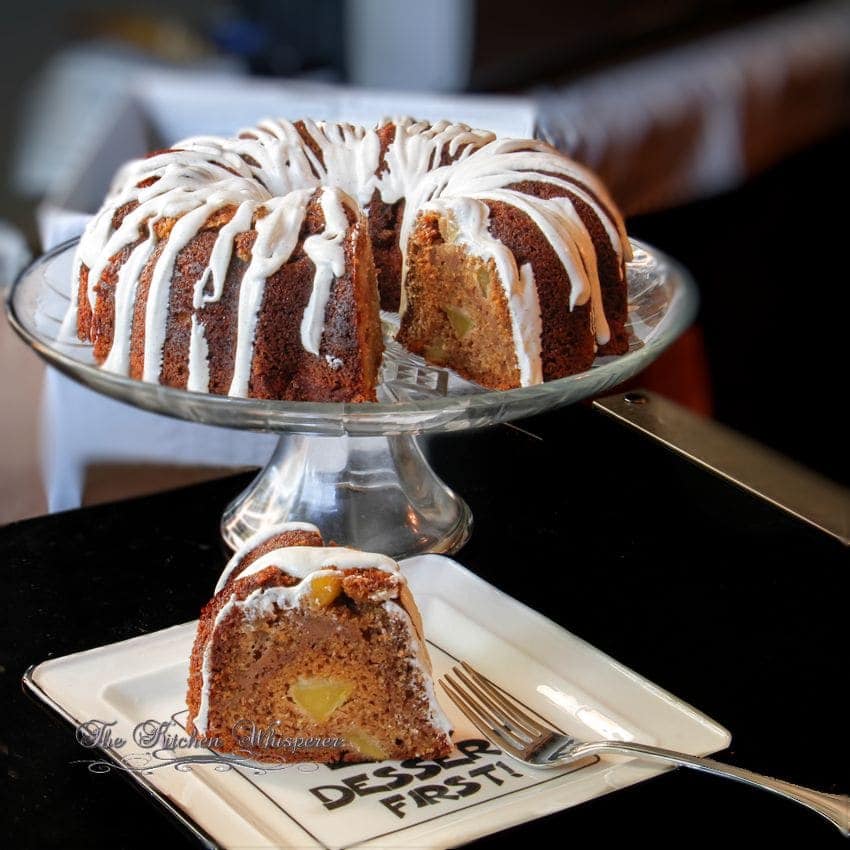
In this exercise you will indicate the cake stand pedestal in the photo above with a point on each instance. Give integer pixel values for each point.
(356, 470)
(377, 491)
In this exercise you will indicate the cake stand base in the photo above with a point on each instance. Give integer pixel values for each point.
(378, 494)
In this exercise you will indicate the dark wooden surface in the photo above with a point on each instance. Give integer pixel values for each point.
(721, 599)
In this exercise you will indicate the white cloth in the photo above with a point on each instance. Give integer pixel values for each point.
(14, 254)
(81, 428)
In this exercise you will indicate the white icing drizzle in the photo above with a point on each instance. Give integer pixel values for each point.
(350, 155)
(267, 176)
(201, 720)
(328, 255)
(416, 152)
(561, 225)
(471, 219)
(156, 314)
(264, 600)
(118, 359)
(529, 328)
(302, 561)
(256, 540)
(277, 236)
(221, 254)
(199, 359)
(417, 660)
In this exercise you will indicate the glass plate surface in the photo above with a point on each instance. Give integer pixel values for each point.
(415, 397)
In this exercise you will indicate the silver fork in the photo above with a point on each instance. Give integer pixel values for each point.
(530, 742)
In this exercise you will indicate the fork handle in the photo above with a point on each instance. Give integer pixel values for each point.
(834, 807)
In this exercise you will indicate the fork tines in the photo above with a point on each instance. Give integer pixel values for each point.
(491, 711)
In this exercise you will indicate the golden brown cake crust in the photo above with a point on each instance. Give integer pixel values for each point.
(611, 269)
(567, 344)
(351, 344)
(277, 541)
(350, 348)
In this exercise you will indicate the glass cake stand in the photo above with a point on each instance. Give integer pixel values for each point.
(357, 470)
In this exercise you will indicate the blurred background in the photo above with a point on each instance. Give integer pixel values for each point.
(721, 128)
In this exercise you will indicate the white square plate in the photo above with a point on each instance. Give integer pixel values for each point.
(418, 804)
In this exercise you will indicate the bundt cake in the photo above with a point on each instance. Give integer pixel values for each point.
(254, 266)
(313, 653)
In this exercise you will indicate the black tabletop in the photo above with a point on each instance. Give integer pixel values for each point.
(716, 596)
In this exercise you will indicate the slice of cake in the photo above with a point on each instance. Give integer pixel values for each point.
(313, 653)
